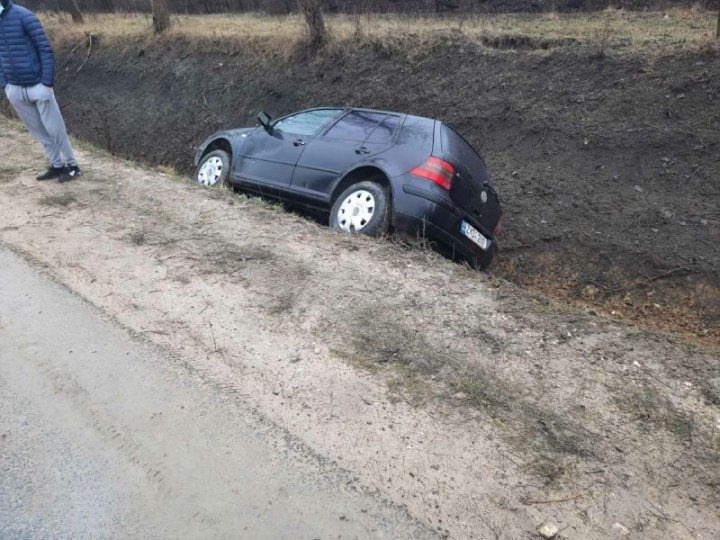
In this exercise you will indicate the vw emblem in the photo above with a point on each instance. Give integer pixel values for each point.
(483, 197)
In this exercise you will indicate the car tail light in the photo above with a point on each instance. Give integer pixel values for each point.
(437, 170)
(498, 228)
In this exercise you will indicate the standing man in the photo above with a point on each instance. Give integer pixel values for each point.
(27, 73)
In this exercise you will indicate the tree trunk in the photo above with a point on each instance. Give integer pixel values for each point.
(315, 21)
(717, 32)
(161, 16)
(75, 13)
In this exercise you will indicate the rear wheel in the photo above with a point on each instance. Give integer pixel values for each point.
(213, 169)
(362, 208)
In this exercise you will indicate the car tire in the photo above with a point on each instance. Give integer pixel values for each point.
(363, 208)
(213, 169)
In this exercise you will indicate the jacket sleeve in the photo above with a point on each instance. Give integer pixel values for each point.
(42, 45)
(3, 79)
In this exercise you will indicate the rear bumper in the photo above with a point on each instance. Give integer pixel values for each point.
(425, 213)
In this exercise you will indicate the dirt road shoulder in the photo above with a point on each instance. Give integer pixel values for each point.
(106, 436)
(481, 409)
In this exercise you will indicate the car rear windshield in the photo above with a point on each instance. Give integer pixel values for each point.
(460, 150)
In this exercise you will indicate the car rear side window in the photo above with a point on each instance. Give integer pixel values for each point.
(357, 126)
(460, 150)
(385, 130)
(306, 123)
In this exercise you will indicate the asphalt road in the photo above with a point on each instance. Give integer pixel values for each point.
(102, 435)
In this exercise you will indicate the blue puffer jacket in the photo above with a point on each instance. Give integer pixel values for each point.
(26, 57)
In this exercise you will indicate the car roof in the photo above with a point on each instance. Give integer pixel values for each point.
(362, 109)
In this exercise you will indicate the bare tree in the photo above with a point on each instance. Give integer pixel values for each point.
(161, 16)
(75, 13)
(315, 21)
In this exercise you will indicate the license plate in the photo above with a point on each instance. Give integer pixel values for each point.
(473, 234)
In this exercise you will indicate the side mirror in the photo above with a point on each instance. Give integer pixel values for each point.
(265, 120)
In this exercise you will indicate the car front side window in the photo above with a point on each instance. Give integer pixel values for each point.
(306, 123)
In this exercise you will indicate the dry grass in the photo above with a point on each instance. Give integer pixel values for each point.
(62, 200)
(138, 237)
(653, 410)
(417, 370)
(612, 31)
(8, 174)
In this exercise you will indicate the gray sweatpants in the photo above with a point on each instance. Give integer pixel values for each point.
(37, 108)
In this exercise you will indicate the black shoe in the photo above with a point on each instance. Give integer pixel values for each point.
(70, 173)
(51, 173)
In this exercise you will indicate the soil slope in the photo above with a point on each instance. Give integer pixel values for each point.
(607, 166)
(483, 410)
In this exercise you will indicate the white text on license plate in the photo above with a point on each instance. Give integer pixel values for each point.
(473, 234)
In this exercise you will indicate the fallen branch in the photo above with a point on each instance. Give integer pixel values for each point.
(679, 271)
(91, 38)
(550, 501)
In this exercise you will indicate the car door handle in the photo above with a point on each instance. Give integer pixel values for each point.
(298, 142)
(362, 150)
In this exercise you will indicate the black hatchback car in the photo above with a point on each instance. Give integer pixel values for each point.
(372, 170)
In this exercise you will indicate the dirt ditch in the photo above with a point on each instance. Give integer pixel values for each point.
(607, 166)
